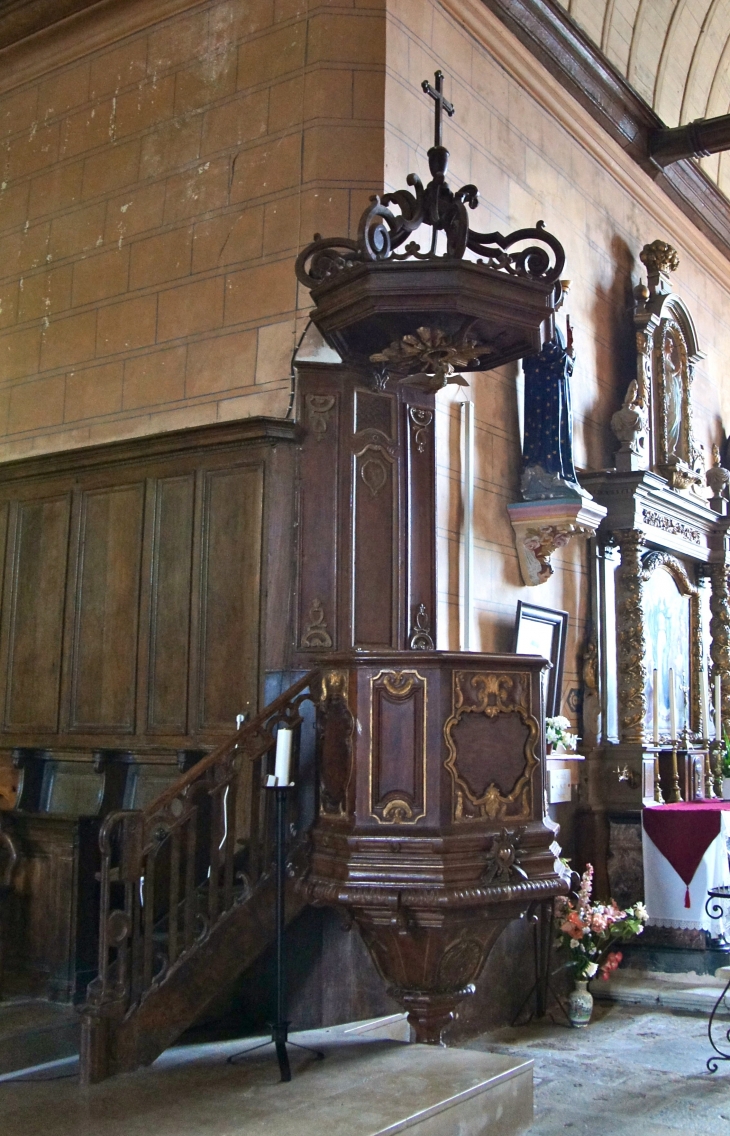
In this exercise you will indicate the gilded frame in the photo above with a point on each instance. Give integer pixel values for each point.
(495, 694)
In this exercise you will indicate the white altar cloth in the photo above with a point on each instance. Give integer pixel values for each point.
(664, 890)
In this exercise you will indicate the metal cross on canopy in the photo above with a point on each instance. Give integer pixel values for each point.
(442, 103)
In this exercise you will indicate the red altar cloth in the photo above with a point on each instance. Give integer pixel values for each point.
(683, 833)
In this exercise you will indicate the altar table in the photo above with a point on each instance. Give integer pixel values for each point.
(685, 854)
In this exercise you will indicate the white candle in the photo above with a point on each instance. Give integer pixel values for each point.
(672, 708)
(656, 707)
(283, 756)
(703, 705)
(718, 709)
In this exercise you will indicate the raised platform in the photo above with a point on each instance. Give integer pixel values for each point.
(689, 993)
(364, 1087)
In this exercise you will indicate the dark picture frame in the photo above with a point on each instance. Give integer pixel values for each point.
(544, 631)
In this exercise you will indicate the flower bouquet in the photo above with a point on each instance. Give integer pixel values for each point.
(557, 733)
(591, 931)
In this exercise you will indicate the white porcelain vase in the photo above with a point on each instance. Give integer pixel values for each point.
(580, 1004)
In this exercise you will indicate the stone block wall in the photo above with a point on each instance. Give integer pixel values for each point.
(154, 193)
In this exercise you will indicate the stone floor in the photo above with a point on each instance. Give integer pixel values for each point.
(635, 1071)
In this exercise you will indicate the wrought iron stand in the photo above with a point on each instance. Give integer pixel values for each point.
(715, 903)
(280, 1027)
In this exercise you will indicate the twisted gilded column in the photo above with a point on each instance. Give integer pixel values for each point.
(631, 637)
(720, 635)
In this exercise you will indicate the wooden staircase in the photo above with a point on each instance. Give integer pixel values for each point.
(188, 890)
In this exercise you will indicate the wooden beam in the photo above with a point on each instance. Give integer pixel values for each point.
(696, 139)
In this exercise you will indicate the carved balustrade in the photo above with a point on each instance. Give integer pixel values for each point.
(172, 873)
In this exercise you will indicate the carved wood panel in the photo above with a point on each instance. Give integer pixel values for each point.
(398, 746)
(366, 514)
(34, 603)
(491, 739)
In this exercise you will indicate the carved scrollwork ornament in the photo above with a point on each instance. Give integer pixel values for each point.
(420, 422)
(316, 633)
(319, 407)
(382, 231)
(502, 863)
(491, 694)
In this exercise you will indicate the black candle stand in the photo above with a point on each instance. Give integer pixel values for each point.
(280, 1027)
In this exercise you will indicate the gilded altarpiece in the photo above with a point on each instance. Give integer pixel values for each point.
(658, 582)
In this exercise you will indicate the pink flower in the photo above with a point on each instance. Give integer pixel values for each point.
(599, 922)
(610, 963)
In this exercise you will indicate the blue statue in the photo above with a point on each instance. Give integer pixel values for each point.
(547, 455)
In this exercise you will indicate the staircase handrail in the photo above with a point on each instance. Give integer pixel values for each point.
(146, 929)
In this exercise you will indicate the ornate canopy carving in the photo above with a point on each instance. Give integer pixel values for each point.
(376, 290)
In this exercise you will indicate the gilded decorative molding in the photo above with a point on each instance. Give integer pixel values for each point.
(399, 684)
(649, 564)
(315, 633)
(667, 351)
(491, 694)
(319, 408)
(420, 638)
(670, 525)
(332, 685)
(631, 637)
(420, 421)
(399, 806)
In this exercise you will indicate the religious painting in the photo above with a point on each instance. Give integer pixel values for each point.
(673, 639)
(543, 631)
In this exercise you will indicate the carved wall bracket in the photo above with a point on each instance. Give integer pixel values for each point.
(541, 527)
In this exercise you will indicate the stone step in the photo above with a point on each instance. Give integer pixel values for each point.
(687, 992)
(363, 1087)
(36, 1032)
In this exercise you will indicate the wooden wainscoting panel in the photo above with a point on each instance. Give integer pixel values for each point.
(33, 609)
(170, 605)
(231, 595)
(104, 656)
